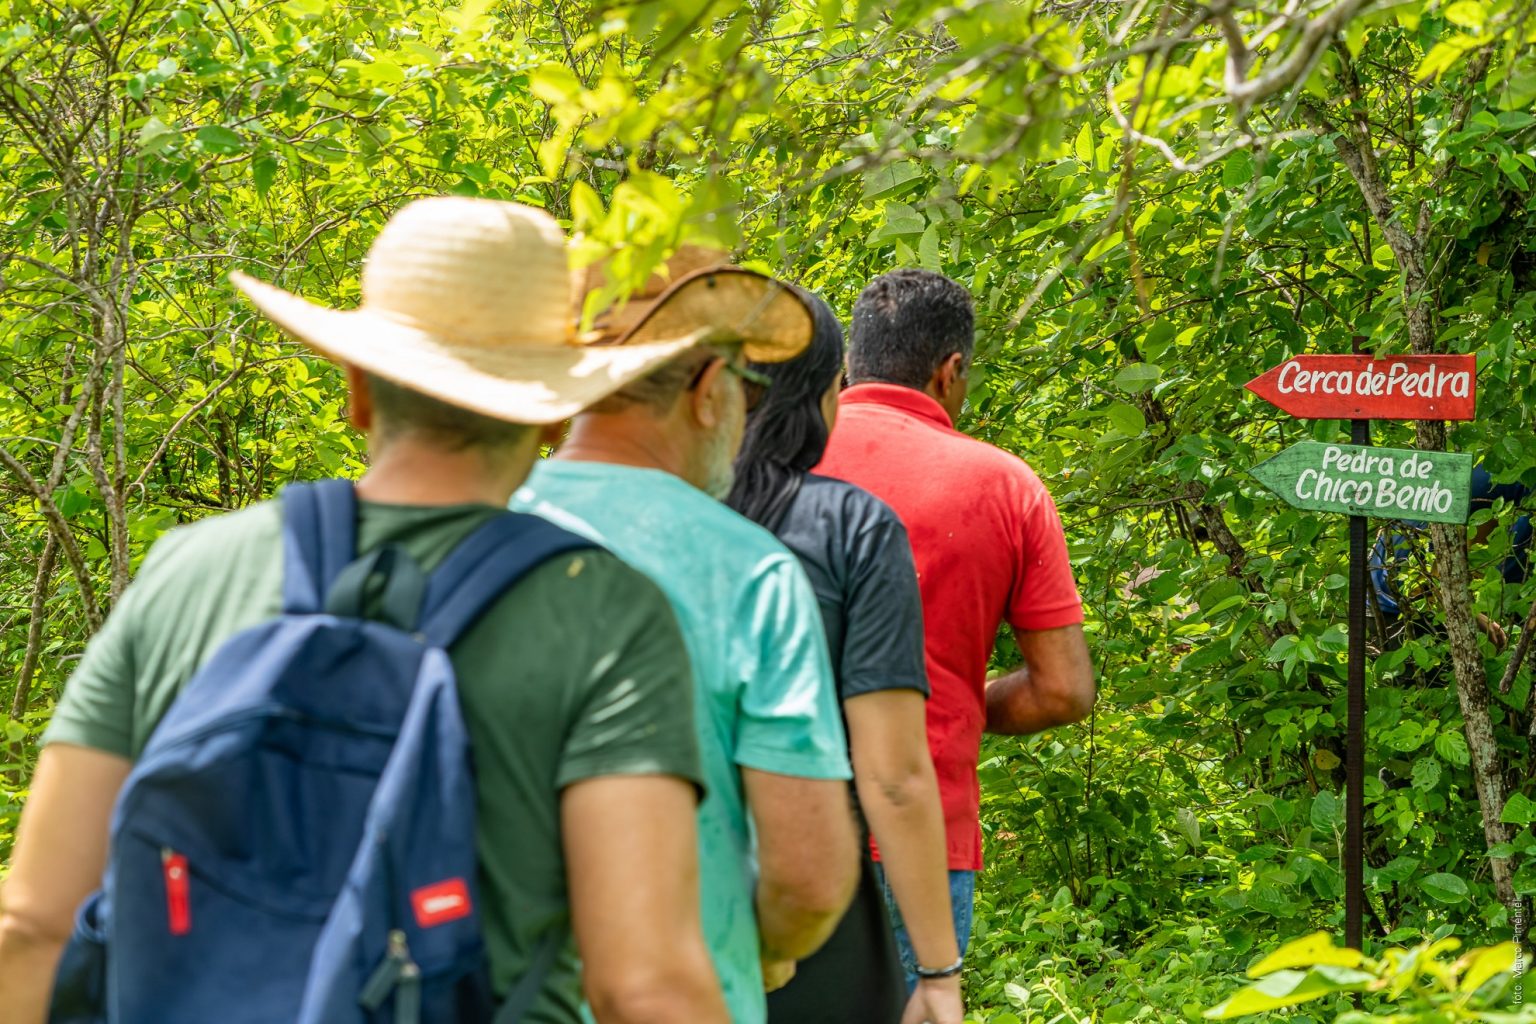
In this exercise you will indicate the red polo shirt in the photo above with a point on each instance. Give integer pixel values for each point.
(989, 549)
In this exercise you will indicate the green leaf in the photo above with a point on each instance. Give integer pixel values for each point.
(155, 135)
(831, 12)
(1310, 951)
(1445, 887)
(891, 179)
(554, 84)
(215, 138)
(264, 172)
(1518, 810)
(1333, 639)
(1452, 747)
(1082, 146)
(382, 72)
(1290, 988)
(1138, 377)
(1398, 869)
(900, 220)
(1325, 811)
(928, 249)
(1426, 773)
(1237, 169)
(1486, 964)
(1442, 56)
(1335, 227)
(1189, 826)
(1405, 737)
(1469, 14)
(1512, 170)
(1126, 418)
(586, 207)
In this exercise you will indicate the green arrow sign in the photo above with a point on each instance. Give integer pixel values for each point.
(1386, 483)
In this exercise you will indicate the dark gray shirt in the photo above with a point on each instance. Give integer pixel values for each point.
(855, 551)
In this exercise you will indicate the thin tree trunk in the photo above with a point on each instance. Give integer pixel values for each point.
(60, 531)
(40, 588)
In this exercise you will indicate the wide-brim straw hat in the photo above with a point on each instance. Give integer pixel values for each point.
(470, 301)
(696, 290)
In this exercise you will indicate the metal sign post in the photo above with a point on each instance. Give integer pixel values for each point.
(1354, 740)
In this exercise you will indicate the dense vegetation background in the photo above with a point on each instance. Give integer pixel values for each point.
(1152, 201)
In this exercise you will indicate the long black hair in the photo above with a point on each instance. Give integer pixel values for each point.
(786, 433)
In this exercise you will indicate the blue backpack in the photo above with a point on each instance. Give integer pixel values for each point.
(297, 841)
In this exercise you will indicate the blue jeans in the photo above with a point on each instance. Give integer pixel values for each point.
(962, 896)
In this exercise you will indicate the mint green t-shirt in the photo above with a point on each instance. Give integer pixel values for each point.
(576, 672)
(764, 691)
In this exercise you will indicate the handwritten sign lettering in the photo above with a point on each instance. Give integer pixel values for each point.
(1388, 483)
(1366, 387)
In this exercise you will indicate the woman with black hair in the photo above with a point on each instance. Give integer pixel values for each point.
(856, 554)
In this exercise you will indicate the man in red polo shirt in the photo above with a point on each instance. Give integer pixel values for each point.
(986, 538)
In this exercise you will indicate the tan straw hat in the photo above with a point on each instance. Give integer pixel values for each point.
(697, 292)
(469, 301)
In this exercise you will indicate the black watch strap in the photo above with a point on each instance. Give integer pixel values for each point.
(942, 972)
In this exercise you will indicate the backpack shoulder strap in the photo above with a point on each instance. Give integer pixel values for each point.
(319, 541)
(484, 566)
(531, 985)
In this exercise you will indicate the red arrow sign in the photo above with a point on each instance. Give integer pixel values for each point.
(1373, 387)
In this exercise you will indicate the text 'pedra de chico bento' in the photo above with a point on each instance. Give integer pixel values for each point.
(1389, 483)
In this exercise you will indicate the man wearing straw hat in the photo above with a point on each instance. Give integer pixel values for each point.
(641, 473)
(574, 684)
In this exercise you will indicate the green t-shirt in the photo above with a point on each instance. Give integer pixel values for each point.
(578, 671)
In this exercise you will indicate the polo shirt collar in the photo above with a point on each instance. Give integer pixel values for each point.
(896, 396)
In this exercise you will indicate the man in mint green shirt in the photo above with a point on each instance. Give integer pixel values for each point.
(778, 852)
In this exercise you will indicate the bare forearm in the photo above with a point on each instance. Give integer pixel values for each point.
(1021, 703)
(688, 992)
(61, 850)
(808, 864)
(788, 928)
(908, 823)
(799, 904)
(28, 961)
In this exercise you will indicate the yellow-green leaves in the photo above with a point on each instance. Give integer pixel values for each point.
(1483, 965)
(1311, 951)
(555, 84)
(1419, 984)
(1290, 988)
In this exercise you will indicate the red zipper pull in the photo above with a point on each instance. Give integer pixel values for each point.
(178, 896)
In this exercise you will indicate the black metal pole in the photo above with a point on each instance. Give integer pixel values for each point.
(1354, 760)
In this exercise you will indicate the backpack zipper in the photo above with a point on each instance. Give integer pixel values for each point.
(399, 974)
